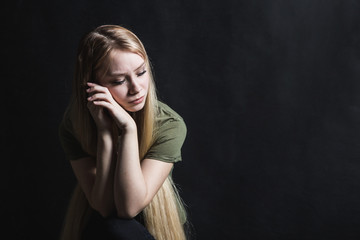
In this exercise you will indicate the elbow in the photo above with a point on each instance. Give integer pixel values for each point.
(127, 212)
(124, 215)
(103, 211)
(129, 208)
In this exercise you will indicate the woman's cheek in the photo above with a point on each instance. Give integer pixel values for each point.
(117, 96)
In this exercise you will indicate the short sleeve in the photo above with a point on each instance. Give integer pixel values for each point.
(69, 143)
(169, 138)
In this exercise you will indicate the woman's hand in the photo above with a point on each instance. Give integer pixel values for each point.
(100, 99)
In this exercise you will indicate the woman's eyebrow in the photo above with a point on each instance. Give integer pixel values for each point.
(114, 74)
(139, 66)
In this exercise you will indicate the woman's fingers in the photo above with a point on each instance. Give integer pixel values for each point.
(96, 88)
(99, 93)
(99, 97)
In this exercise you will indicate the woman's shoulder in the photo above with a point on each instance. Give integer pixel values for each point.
(169, 123)
(166, 113)
(170, 133)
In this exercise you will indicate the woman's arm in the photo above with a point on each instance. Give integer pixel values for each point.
(96, 176)
(136, 184)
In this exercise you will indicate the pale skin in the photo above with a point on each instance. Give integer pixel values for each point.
(119, 183)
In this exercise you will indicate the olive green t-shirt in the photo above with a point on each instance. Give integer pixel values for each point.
(169, 137)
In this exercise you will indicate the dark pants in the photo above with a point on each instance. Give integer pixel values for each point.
(114, 228)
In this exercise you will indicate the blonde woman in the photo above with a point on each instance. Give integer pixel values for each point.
(122, 144)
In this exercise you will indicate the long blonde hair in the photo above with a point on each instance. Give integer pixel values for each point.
(162, 216)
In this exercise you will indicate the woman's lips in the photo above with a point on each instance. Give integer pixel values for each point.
(138, 100)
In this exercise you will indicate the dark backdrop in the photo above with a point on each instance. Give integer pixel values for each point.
(269, 91)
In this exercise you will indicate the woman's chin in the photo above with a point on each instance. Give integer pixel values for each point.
(135, 108)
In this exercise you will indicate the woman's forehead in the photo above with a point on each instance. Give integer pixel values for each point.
(124, 61)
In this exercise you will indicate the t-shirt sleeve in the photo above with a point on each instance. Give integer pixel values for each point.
(69, 143)
(169, 139)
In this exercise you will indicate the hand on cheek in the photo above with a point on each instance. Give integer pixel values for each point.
(100, 99)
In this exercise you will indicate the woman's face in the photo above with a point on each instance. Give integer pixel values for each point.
(127, 80)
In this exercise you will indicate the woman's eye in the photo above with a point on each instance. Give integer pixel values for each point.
(119, 82)
(142, 73)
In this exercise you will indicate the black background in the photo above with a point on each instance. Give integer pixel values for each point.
(269, 91)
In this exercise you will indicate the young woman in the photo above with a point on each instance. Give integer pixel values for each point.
(122, 144)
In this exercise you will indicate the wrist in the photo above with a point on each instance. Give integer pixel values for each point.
(127, 125)
(104, 133)
(105, 141)
(129, 128)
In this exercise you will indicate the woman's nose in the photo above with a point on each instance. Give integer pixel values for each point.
(134, 87)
